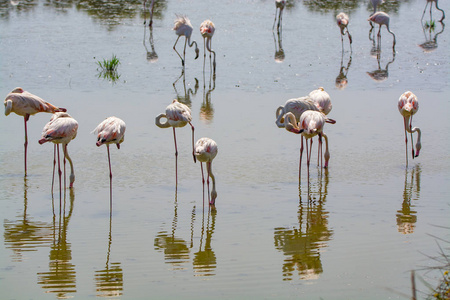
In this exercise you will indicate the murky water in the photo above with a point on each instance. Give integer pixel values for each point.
(355, 233)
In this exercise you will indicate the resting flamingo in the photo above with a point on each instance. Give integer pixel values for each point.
(110, 131)
(296, 106)
(408, 105)
(26, 104)
(177, 115)
(279, 7)
(207, 29)
(437, 7)
(206, 151)
(183, 27)
(382, 18)
(311, 124)
(61, 129)
(342, 22)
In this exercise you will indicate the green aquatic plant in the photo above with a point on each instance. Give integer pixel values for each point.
(430, 25)
(109, 64)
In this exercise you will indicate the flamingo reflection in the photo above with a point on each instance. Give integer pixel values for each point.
(429, 30)
(61, 277)
(303, 243)
(431, 6)
(279, 51)
(207, 108)
(185, 97)
(151, 56)
(380, 74)
(279, 7)
(341, 80)
(407, 216)
(205, 261)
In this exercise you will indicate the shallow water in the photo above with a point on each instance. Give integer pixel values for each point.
(355, 233)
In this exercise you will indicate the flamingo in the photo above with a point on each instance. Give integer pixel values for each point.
(183, 26)
(207, 29)
(110, 131)
(152, 6)
(61, 129)
(437, 7)
(342, 22)
(311, 124)
(177, 115)
(26, 104)
(408, 105)
(382, 18)
(206, 151)
(279, 6)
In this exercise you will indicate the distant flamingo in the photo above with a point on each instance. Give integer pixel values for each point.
(61, 129)
(207, 29)
(408, 105)
(311, 124)
(177, 115)
(279, 6)
(110, 131)
(150, 23)
(382, 18)
(183, 27)
(437, 7)
(342, 22)
(26, 104)
(206, 151)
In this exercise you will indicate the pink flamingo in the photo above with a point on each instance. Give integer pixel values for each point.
(110, 131)
(26, 104)
(206, 151)
(382, 18)
(207, 29)
(296, 106)
(311, 124)
(279, 6)
(408, 105)
(61, 129)
(177, 115)
(183, 27)
(342, 22)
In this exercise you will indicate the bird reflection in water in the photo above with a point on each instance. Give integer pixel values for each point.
(24, 234)
(431, 7)
(206, 108)
(407, 216)
(204, 262)
(430, 34)
(279, 7)
(185, 97)
(152, 56)
(109, 281)
(303, 244)
(380, 74)
(279, 51)
(341, 79)
(61, 277)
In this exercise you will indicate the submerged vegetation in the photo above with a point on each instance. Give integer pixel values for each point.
(108, 68)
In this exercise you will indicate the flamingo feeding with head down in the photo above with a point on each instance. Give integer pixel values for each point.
(110, 131)
(408, 105)
(183, 27)
(342, 22)
(206, 151)
(296, 106)
(177, 115)
(207, 29)
(311, 124)
(382, 18)
(26, 104)
(61, 129)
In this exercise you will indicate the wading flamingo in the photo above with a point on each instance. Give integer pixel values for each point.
(279, 7)
(311, 124)
(206, 151)
(110, 131)
(177, 115)
(437, 7)
(382, 18)
(26, 104)
(408, 105)
(296, 106)
(207, 29)
(183, 27)
(152, 6)
(61, 129)
(342, 22)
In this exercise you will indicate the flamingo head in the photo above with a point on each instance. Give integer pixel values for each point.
(197, 51)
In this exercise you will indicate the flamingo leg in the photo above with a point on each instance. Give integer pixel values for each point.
(174, 48)
(176, 155)
(193, 150)
(184, 51)
(110, 178)
(25, 145)
(54, 164)
(300, 163)
(59, 173)
(203, 181)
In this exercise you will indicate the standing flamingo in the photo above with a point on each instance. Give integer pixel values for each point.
(342, 22)
(152, 6)
(408, 105)
(279, 6)
(296, 106)
(206, 151)
(311, 124)
(61, 129)
(437, 7)
(110, 131)
(177, 115)
(382, 18)
(183, 26)
(207, 29)
(26, 104)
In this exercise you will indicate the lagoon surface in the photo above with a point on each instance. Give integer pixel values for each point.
(355, 232)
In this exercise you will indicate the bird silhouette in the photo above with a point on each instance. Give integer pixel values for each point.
(206, 151)
(26, 104)
(408, 105)
(183, 27)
